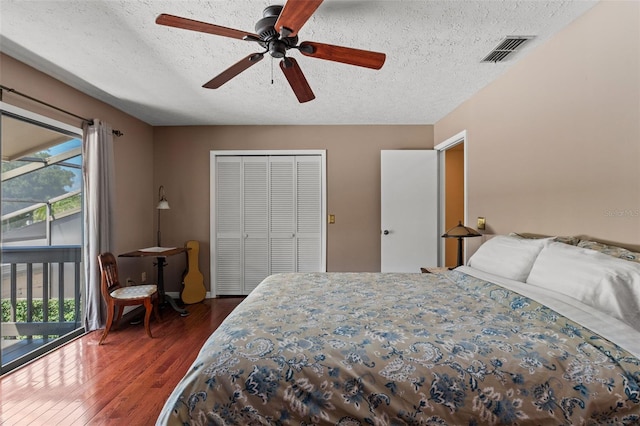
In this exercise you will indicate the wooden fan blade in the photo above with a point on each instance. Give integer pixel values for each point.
(233, 70)
(346, 55)
(297, 80)
(294, 15)
(203, 27)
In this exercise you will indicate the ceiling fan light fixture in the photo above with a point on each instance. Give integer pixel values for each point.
(278, 48)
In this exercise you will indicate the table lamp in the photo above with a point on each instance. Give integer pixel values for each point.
(460, 231)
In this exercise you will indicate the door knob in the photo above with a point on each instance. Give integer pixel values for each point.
(385, 232)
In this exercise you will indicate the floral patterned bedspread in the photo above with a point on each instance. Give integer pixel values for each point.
(400, 349)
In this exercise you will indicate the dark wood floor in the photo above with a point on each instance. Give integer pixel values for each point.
(124, 381)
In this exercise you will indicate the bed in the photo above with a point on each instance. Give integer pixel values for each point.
(528, 333)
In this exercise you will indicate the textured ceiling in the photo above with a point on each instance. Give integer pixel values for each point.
(114, 51)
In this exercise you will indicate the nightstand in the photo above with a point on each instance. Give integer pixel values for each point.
(434, 270)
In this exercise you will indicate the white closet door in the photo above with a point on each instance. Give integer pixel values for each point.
(308, 214)
(282, 214)
(228, 244)
(268, 218)
(255, 221)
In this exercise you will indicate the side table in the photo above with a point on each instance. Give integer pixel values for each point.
(161, 254)
(434, 270)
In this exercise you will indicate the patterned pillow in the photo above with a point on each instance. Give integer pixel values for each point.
(572, 241)
(619, 252)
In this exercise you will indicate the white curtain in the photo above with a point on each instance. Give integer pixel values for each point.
(99, 196)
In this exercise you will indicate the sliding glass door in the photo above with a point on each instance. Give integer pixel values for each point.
(41, 240)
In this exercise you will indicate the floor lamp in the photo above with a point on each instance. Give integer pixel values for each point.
(163, 204)
(460, 231)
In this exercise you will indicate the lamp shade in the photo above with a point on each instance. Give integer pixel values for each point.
(461, 231)
(163, 204)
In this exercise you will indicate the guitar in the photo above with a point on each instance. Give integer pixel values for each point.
(193, 290)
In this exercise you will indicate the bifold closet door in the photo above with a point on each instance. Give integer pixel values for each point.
(282, 213)
(308, 214)
(242, 227)
(268, 219)
(228, 219)
(295, 214)
(255, 221)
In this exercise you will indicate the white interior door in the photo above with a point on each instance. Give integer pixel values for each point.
(409, 210)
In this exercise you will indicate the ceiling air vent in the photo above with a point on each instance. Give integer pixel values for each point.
(507, 47)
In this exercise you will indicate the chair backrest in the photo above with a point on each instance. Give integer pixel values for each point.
(109, 273)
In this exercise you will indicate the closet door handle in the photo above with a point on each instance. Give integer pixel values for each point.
(385, 232)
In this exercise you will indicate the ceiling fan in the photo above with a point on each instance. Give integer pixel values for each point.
(277, 32)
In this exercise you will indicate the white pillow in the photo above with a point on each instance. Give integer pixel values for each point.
(509, 257)
(603, 282)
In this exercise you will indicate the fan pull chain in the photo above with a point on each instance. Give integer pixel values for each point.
(272, 70)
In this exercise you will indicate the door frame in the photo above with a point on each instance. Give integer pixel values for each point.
(442, 147)
(213, 154)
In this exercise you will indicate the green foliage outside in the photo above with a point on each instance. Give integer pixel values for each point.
(37, 311)
(59, 207)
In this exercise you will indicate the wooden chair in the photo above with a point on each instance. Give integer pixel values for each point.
(116, 295)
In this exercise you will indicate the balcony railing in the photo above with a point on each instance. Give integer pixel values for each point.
(41, 289)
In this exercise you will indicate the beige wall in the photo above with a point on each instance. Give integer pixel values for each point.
(353, 180)
(133, 152)
(554, 144)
